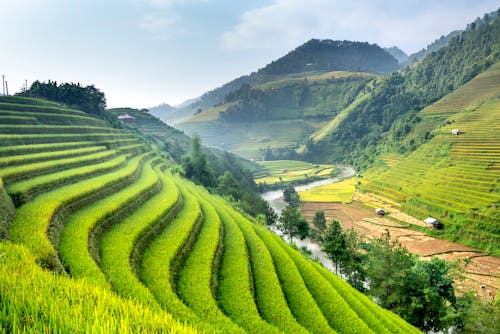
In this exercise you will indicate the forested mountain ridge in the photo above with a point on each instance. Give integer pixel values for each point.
(313, 57)
(329, 55)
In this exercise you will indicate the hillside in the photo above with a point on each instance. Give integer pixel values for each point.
(385, 119)
(313, 57)
(453, 178)
(277, 113)
(106, 239)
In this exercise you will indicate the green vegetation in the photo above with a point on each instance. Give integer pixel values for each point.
(133, 248)
(383, 123)
(34, 300)
(277, 171)
(117, 245)
(453, 178)
(195, 283)
(300, 301)
(268, 293)
(235, 292)
(341, 192)
(78, 251)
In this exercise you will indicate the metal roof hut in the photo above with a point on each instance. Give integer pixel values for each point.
(380, 211)
(432, 222)
(126, 117)
(455, 132)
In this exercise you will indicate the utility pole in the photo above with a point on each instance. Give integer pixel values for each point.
(6, 88)
(3, 84)
(25, 84)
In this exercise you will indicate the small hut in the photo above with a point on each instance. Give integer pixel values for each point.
(380, 211)
(126, 117)
(455, 132)
(432, 222)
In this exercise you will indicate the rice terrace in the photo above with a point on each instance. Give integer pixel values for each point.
(320, 167)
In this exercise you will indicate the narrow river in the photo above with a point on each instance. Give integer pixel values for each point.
(275, 200)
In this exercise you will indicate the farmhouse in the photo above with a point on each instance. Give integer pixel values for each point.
(432, 222)
(380, 211)
(126, 117)
(455, 132)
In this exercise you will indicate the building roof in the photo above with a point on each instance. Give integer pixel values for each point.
(430, 220)
(125, 117)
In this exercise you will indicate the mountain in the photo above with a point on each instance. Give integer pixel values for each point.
(329, 55)
(313, 57)
(445, 39)
(276, 113)
(432, 47)
(382, 121)
(397, 53)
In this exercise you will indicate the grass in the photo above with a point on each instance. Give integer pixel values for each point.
(29, 170)
(42, 156)
(158, 260)
(37, 301)
(22, 190)
(373, 315)
(453, 178)
(300, 300)
(340, 192)
(235, 292)
(35, 148)
(195, 277)
(116, 246)
(276, 171)
(75, 246)
(269, 296)
(34, 218)
(341, 318)
(147, 252)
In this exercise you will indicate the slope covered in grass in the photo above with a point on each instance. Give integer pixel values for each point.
(129, 247)
(454, 178)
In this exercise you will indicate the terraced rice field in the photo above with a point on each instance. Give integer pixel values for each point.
(481, 271)
(127, 247)
(271, 172)
(340, 192)
(454, 178)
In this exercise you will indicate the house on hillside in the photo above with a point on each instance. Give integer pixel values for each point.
(126, 117)
(380, 211)
(432, 222)
(455, 132)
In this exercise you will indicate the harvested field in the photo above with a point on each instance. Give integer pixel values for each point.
(482, 272)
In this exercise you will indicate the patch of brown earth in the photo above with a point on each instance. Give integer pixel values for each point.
(482, 273)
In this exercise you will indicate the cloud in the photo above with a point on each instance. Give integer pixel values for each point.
(160, 25)
(410, 24)
(162, 18)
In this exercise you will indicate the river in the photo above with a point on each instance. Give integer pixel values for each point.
(275, 200)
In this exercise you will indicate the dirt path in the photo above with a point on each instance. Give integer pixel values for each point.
(482, 272)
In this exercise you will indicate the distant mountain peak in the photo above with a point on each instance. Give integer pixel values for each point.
(333, 55)
(397, 53)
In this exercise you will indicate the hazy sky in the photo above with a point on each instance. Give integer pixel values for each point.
(145, 52)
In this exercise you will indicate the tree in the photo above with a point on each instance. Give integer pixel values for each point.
(227, 185)
(319, 220)
(292, 224)
(334, 244)
(270, 216)
(421, 292)
(389, 265)
(196, 167)
(290, 195)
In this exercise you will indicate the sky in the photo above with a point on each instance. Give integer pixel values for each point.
(141, 53)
